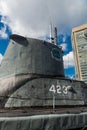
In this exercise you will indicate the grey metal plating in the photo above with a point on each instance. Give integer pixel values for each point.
(32, 75)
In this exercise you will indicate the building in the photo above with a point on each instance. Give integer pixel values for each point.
(79, 42)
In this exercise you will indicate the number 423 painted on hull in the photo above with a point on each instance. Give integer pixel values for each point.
(59, 89)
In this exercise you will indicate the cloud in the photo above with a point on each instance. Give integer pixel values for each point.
(32, 18)
(1, 57)
(4, 22)
(64, 46)
(68, 60)
(3, 33)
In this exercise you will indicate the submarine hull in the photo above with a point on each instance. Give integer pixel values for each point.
(34, 92)
(48, 92)
(45, 122)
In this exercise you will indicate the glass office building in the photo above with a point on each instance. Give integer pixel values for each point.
(79, 42)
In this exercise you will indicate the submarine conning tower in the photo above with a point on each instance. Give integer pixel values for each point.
(32, 75)
(31, 56)
(34, 93)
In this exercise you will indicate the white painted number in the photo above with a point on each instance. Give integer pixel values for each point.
(52, 89)
(65, 89)
(59, 89)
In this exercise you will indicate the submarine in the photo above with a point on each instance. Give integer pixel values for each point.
(34, 91)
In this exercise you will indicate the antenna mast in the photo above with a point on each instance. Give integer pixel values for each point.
(53, 35)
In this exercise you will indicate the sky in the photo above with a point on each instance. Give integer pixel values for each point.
(32, 18)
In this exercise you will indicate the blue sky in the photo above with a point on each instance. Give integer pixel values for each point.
(33, 18)
(4, 36)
